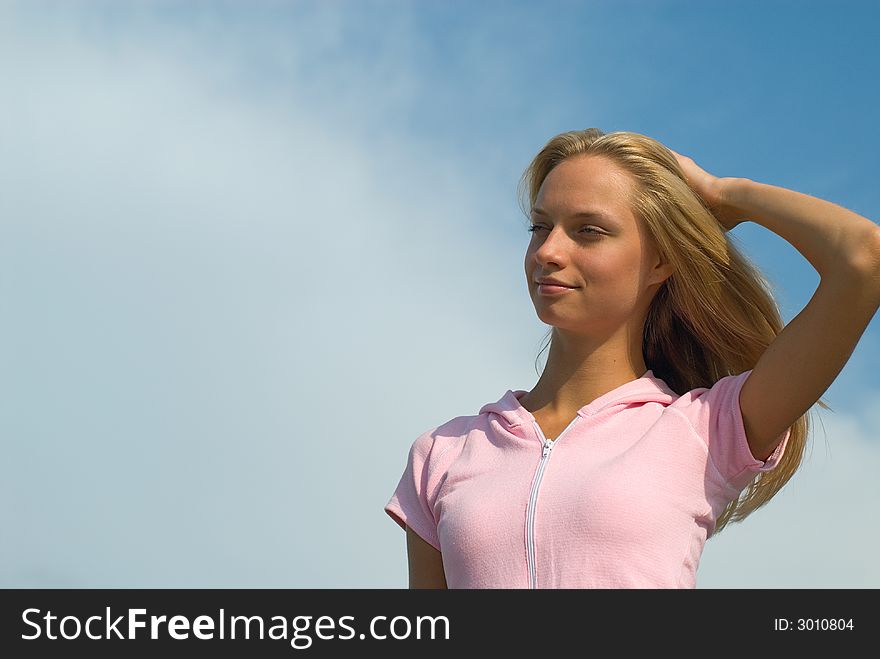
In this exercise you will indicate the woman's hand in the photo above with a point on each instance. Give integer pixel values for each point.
(711, 189)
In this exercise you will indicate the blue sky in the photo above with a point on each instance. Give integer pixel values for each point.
(249, 251)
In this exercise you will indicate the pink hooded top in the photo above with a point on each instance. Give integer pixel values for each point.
(625, 497)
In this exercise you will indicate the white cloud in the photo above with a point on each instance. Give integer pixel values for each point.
(230, 309)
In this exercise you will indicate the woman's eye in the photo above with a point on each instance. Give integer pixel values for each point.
(588, 230)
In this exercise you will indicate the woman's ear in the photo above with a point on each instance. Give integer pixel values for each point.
(660, 269)
(661, 272)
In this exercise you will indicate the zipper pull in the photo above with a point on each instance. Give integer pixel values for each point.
(548, 445)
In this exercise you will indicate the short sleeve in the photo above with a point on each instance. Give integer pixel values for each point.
(716, 417)
(412, 503)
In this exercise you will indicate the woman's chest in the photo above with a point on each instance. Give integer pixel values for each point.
(500, 495)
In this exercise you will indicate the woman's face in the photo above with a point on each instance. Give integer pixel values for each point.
(604, 256)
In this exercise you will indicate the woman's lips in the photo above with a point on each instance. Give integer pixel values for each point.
(553, 289)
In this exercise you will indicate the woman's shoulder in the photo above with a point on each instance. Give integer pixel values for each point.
(449, 431)
(723, 393)
(453, 431)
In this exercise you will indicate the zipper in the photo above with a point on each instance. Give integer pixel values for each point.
(548, 445)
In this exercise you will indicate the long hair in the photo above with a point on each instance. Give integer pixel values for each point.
(715, 315)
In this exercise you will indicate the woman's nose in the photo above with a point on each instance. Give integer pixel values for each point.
(553, 247)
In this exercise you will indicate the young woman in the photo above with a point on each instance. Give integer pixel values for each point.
(673, 400)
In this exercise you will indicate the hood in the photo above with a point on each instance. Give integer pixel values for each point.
(646, 389)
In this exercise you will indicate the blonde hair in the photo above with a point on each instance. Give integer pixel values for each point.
(715, 315)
